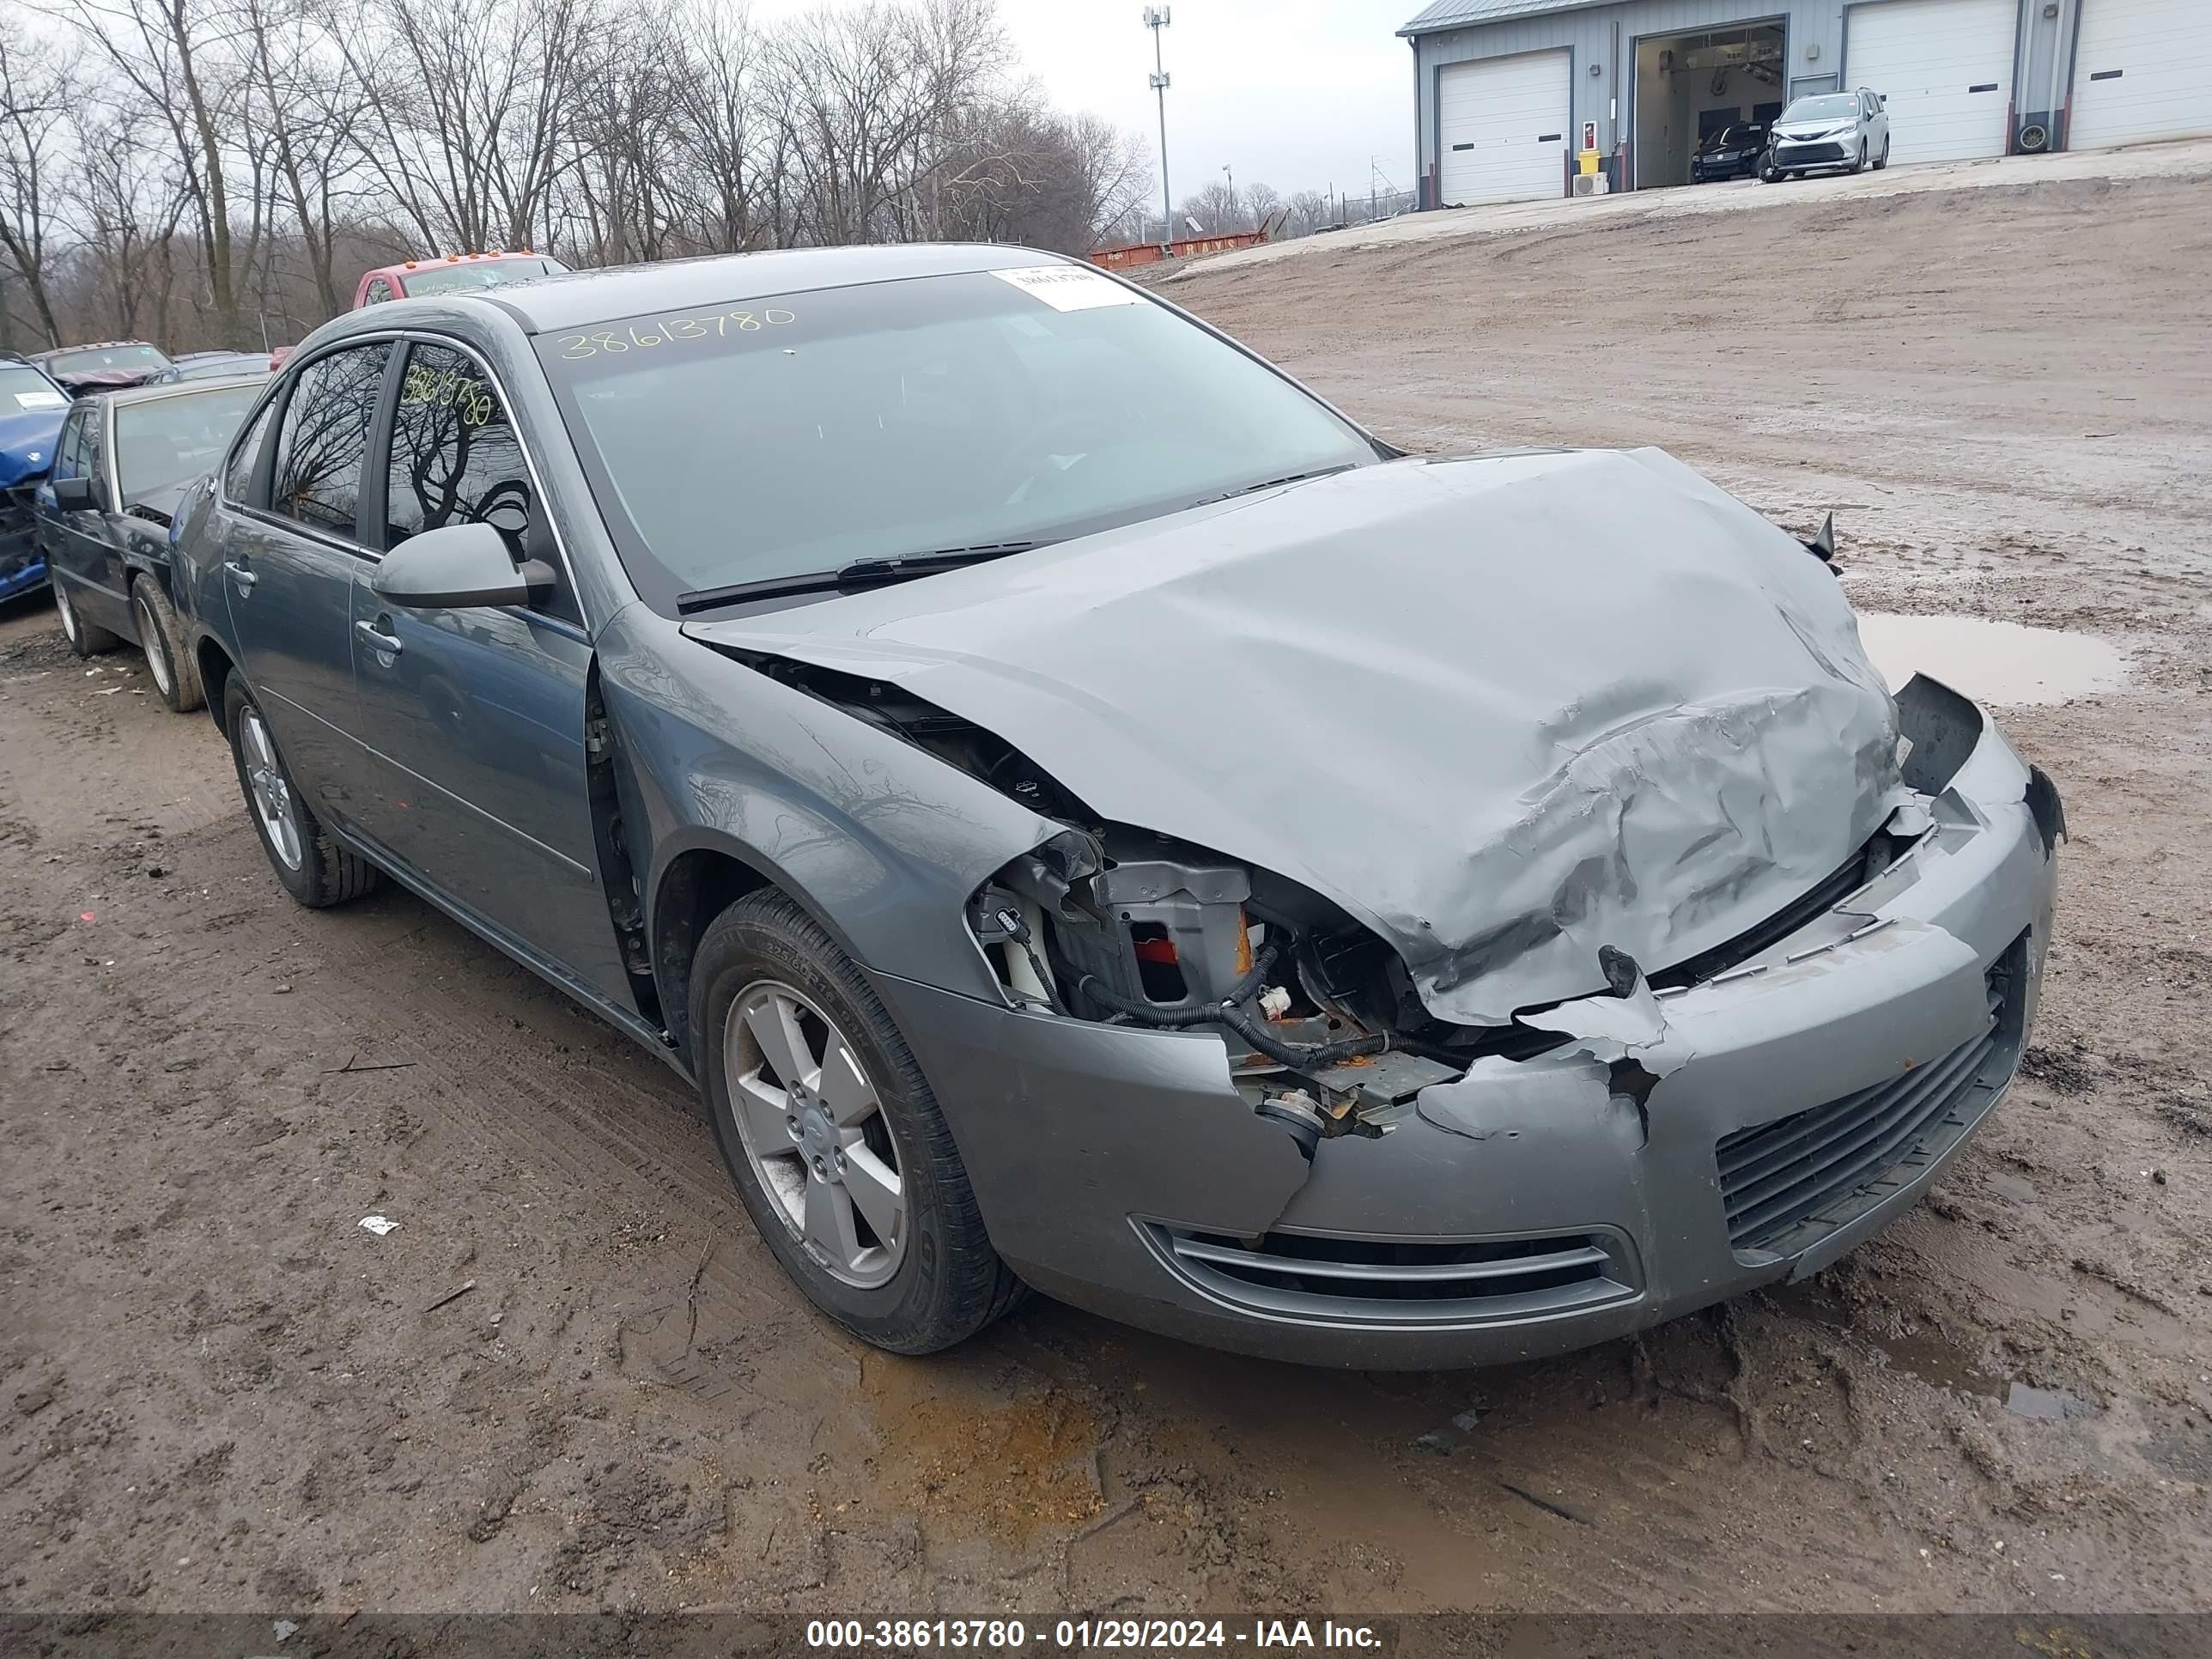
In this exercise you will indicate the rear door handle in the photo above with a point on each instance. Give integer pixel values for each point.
(239, 574)
(387, 643)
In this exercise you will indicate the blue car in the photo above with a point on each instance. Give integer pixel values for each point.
(31, 410)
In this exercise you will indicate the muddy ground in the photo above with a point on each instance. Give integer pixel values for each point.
(218, 1392)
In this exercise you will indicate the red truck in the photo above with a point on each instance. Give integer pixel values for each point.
(454, 274)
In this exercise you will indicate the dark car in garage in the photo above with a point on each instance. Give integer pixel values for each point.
(1729, 152)
(124, 464)
(1086, 815)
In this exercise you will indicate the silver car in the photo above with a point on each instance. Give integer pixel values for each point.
(1845, 130)
(1087, 816)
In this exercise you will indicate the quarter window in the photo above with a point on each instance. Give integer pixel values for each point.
(378, 291)
(455, 458)
(324, 439)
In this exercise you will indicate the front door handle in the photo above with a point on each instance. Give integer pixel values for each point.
(387, 643)
(240, 574)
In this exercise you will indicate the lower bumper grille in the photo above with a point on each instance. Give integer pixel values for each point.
(1788, 1183)
(1808, 155)
(1403, 1281)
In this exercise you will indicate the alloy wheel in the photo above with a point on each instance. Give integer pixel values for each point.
(813, 1129)
(271, 793)
(149, 638)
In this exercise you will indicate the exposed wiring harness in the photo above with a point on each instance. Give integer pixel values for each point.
(1233, 1012)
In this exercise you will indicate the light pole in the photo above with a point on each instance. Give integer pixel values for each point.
(1156, 19)
(1229, 172)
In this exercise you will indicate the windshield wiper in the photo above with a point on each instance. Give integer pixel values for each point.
(851, 578)
(1271, 483)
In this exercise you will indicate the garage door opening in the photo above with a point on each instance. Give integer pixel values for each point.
(1690, 87)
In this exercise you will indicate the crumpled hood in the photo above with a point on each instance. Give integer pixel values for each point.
(26, 444)
(1503, 710)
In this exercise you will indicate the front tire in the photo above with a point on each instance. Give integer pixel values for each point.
(1883, 164)
(86, 639)
(836, 1144)
(1859, 166)
(314, 869)
(176, 675)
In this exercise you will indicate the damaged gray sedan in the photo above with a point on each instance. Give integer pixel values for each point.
(1088, 816)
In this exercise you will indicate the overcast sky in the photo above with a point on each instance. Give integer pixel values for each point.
(1297, 93)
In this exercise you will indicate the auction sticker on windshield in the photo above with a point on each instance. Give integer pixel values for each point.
(1067, 288)
(40, 400)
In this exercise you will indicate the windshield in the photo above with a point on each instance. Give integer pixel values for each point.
(477, 273)
(1730, 138)
(170, 440)
(1834, 107)
(786, 436)
(95, 360)
(24, 389)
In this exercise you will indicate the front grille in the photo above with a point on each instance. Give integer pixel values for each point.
(1402, 1281)
(1808, 154)
(1788, 1183)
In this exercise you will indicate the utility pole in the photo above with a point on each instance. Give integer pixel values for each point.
(1156, 19)
(1235, 217)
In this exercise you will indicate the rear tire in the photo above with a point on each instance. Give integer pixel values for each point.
(314, 868)
(176, 675)
(922, 1282)
(86, 639)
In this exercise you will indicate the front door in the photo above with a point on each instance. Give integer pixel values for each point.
(289, 570)
(473, 717)
(81, 545)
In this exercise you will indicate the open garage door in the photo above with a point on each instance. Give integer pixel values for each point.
(1502, 126)
(2142, 71)
(1945, 68)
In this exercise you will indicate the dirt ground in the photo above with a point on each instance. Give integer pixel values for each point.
(218, 1392)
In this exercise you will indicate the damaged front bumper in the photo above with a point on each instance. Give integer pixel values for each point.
(1535, 1206)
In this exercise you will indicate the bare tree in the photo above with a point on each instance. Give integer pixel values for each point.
(38, 82)
(174, 55)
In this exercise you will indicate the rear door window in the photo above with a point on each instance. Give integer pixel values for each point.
(324, 441)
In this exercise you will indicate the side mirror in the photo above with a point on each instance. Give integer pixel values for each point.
(456, 566)
(75, 496)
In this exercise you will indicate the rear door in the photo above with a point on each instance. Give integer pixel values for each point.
(289, 570)
(1945, 67)
(473, 718)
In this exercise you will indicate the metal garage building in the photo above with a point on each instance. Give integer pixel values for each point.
(1506, 90)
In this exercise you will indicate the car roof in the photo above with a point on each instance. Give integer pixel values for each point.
(549, 303)
(129, 397)
(89, 345)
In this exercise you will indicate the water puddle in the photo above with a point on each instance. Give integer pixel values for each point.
(2054, 1405)
(1995, 662)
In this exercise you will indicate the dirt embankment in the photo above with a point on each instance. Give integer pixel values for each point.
(217, 1391)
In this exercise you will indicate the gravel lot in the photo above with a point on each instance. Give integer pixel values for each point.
(218, 1392)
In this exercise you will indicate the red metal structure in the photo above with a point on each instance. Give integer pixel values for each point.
(1187, 247)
